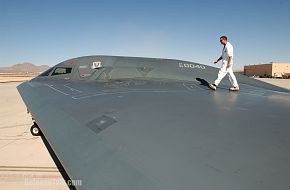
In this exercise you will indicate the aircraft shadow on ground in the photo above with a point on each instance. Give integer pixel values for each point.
(58, 164)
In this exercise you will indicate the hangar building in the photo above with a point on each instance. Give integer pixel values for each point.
(276, 70)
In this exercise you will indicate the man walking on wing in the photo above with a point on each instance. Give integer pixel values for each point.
(227, 65)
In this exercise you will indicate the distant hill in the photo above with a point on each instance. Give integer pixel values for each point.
(23, 68)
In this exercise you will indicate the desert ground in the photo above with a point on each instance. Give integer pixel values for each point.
(25, 162)
(14, 78)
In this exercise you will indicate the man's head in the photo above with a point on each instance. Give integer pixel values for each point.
(223, 40)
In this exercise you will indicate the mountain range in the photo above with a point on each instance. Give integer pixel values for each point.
(23, 68)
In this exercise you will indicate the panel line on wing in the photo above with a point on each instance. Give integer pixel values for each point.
(72, 89)
(113, 93)
(51, 86)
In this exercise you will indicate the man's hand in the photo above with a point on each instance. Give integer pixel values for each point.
(220, 58)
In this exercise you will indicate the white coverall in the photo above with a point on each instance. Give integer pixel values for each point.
(228, 50)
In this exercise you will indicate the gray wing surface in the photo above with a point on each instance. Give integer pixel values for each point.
(139, 123)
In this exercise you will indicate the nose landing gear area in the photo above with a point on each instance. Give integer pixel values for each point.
(35, 130)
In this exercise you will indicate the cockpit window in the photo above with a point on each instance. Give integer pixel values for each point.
(62, 71)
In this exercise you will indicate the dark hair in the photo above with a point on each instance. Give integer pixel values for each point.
(224, 37)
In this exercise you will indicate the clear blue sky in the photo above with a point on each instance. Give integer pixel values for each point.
(51, 31)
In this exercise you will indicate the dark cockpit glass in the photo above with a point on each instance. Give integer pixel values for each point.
(61, 71)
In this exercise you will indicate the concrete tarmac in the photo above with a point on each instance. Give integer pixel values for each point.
(25, 162)
(284, 83)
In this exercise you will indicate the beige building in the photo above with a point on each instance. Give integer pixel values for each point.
(272, 69)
